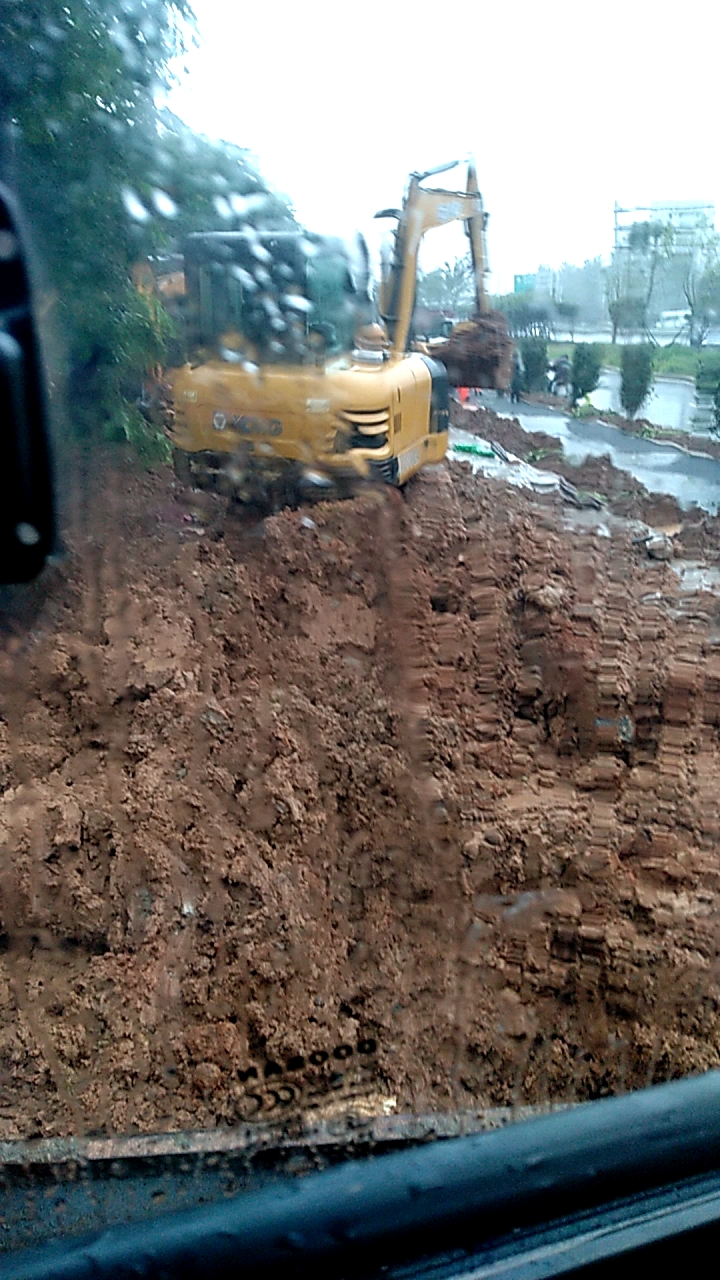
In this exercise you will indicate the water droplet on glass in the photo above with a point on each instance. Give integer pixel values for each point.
(27, 534)
(8, 246)
(260, 252)
(222, 208)
(166, 207)
(256, 202)
(243, 276)
(134, 206)
(238, 204)
(297, 303)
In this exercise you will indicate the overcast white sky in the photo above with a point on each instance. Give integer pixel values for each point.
(565, 107)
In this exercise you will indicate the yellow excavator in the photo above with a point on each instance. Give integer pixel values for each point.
(289, 389)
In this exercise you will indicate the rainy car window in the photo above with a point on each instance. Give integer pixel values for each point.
(360, 734)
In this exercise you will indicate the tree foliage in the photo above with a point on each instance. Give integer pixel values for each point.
(636, 377)
(535, 360)
(585, 369)
(525, 317)
(627, 314)
(568, 311)
(106, 178)
(702, 293)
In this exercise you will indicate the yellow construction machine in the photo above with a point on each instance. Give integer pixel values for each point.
(288, 387)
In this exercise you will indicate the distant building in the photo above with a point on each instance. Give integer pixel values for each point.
(544, 284)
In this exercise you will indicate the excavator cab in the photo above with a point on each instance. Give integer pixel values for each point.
(282, 394)
(288, 297)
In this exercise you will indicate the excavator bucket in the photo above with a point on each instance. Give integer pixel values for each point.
(478, 353)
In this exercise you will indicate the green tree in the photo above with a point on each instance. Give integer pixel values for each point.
(535, 360)
(627, 315)
(525, 317)
(636, 377)
(653, 243)
(707, 382)
(702, 292)
(587, 358)
(105, 178)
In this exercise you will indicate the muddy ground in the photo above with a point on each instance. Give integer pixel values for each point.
(694, 530)
(404, 802)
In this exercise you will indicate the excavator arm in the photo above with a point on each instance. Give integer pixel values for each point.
(476, 226)
(423, 209)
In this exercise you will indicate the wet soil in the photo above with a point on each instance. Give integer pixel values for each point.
(624, 495)
(405, 802)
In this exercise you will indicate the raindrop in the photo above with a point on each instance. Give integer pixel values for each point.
(166, 207)
(238, 204)
(262, 276)
(8, 246)
(134, 207)
(297, 303)
(243, 276)
(260, 252)
(256, 202)
(27, 534)
(222, 208)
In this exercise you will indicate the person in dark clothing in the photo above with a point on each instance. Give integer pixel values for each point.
(562, 370)
(517, 381)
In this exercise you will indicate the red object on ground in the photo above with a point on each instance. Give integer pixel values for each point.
(463, 393)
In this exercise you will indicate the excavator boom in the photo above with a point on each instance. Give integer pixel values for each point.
(423, 209)
(476, 226)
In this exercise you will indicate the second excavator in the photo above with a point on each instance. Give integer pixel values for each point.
(289, 389)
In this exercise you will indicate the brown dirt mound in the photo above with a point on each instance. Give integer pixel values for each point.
(400, 801)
